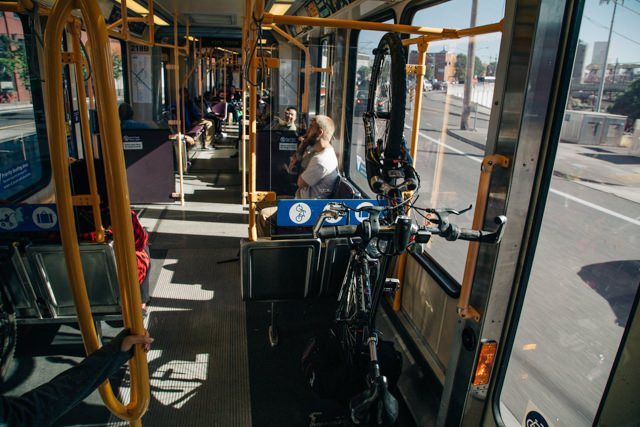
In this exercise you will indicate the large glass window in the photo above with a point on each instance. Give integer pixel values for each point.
(585, 272)
(450, 151)
(367, 42)
(23, 156)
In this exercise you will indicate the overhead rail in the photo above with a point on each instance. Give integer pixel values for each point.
(426, 34)
(123, 22)
(117, 189)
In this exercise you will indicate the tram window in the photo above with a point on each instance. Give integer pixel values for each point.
(24, 152)
(584, 276)
(323, 81)
(448, 159)
(367, 42)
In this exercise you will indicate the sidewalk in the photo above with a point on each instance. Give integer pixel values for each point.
(11, 106)
(604, 168)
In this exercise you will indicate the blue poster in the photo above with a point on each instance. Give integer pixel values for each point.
(293, 212)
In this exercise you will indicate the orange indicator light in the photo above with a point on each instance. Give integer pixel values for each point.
(485, 363)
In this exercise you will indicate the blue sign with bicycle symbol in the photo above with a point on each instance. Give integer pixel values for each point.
(292, 212)
(28, 217)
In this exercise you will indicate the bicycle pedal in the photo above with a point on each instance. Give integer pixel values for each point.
(391, 285)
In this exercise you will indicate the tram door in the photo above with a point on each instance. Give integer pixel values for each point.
(569, 361)
(557, 298)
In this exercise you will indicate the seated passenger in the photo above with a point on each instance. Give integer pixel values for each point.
(193, 117)
(289, 122)
(318, 171)
(86, 226)
(126, 118)
(263, 120)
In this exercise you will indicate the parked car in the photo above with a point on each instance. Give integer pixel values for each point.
(440, 86)
(427, 85)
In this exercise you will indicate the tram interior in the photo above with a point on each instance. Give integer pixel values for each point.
(233, 314)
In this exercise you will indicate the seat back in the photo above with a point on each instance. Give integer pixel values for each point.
(100, 274)
(279, 270)
(344, 190)
(220, 109)
(17, 283)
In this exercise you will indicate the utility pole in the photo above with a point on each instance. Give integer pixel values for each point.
(606, 57)
(468, 78)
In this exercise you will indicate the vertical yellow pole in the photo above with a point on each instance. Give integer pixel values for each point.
(116, 188)
(243, 140)
(84, 125)
(179, 105)
(417, 114)
(253, 233)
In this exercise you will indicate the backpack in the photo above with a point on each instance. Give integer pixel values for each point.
(324, 367)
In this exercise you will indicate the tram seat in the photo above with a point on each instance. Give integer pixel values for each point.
(196, 132)
(148, 157)
(17, 284)
(279, 270)
(220, 110)
(51, 278)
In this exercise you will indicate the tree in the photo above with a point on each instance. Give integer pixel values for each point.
(628, 104)
(364, 72)
(428, 72)
(491, 68)
(116, 61)
(13, 59)
(461, 67)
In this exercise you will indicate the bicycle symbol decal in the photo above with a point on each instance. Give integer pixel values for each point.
(44, 217)
(9, 218)
(300, 213)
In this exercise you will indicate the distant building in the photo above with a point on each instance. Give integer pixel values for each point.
(12, 88)
(578, 63)
(444, 65)
(598, 56)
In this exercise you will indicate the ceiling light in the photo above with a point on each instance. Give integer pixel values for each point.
(141, 10)
(279, 8)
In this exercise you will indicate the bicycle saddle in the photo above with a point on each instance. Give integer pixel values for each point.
(376, 405)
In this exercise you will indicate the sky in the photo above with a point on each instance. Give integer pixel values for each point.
(596, 20)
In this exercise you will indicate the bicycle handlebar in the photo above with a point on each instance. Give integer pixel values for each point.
(403, 231)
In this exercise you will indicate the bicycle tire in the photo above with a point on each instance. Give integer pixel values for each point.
(8, 339)
(384, 119)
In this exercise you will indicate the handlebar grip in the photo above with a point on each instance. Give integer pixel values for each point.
(402, 233)
(468, 234)
(338, 231)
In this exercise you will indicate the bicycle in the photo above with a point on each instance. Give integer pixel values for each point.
(388, 163)
(372, 242)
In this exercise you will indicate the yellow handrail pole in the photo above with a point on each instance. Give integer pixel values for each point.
(200, 68)
(243, 141)
(124, 30)
(253, 233)
(419, 71)
(434, 33)
(179, 109)
(116, 186)
(465, 310)
(74, 29)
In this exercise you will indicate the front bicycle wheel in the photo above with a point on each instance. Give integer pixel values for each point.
(384, 119)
